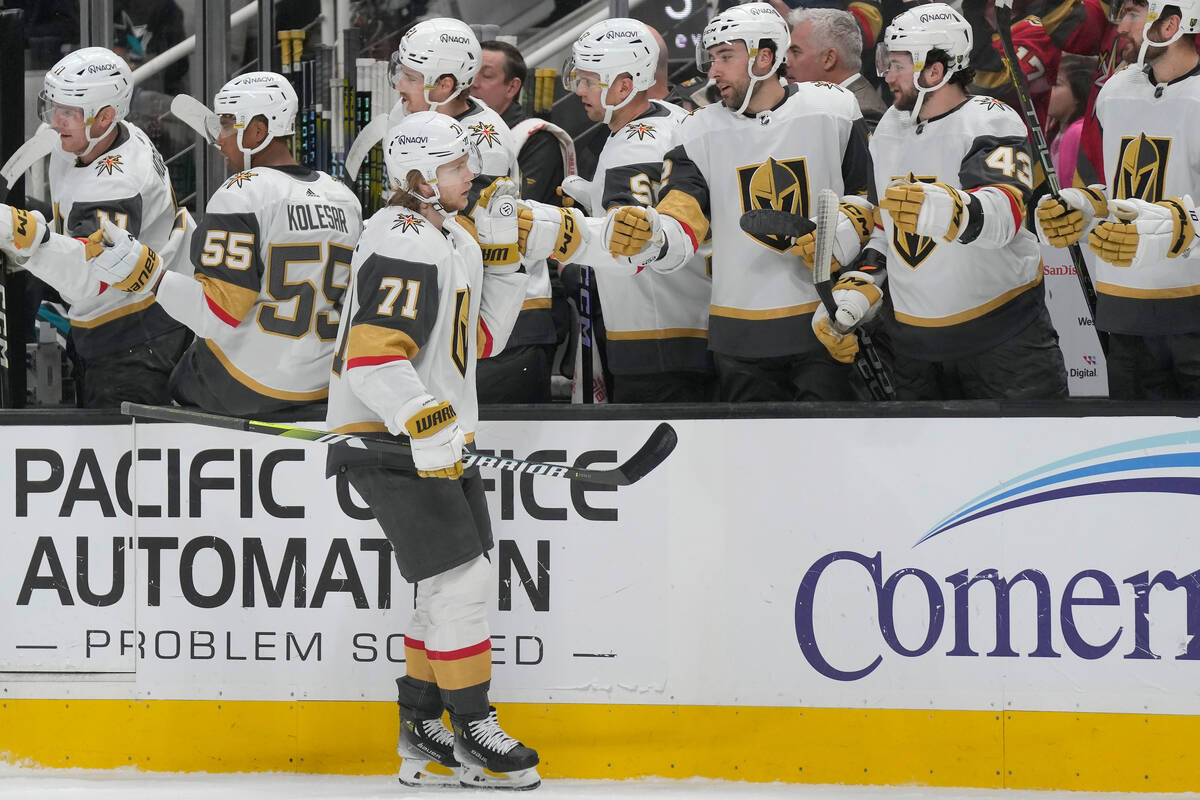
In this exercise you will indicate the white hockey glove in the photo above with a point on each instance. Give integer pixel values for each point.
(21, 232)
(1145, 233)
(927, 209)
(496, 232)
(635, 232)
(437, 440)
(854, 227)
(122, 261)
(576, 191)
(1062, 221)
(547, 231)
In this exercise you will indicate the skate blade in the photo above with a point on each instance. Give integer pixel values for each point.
(419, 772)
(519, 780)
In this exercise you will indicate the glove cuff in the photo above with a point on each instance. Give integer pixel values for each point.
(1185, 231)
(430, 419)
(974, 222)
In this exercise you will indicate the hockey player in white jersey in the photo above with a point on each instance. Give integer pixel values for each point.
(765, 145)
(433, 69)
(964, 274)
(421, 310)
(1147, 284)
(104, 168)
(656, 324)
(271, 259)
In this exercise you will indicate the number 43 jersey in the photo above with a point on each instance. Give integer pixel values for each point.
(272, 255)
(952, 299)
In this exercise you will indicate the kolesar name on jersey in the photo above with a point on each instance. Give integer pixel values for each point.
(311, 217)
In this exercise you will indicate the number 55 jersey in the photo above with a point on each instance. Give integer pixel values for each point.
(272, 263)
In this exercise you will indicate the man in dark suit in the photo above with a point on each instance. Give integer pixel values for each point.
(825, 46)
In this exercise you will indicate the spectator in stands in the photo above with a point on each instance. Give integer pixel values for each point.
(1068, 100)
(663, 89)
(825, 46)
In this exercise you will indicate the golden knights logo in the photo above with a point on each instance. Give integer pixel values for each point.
(989, 102)
(639, 129)
(107, 164)
(407, 222)
(484, 132)
(1141, 168)
(781, 185)
(239, 179)
(913, 248)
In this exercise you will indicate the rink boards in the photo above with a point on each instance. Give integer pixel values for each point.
(945, 601)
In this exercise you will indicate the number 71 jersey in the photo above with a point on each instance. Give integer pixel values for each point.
(273, 255)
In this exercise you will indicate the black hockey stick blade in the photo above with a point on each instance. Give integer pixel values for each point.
(656, 449)
(773, 222)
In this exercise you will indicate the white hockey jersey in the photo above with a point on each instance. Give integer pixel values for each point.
(654, 322)
(272, 262)
(1151, 151)
(725, 164)
(420, 311)
(129, 185)
(953, 299)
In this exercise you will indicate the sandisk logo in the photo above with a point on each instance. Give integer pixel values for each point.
(449, 37)
(936, 17)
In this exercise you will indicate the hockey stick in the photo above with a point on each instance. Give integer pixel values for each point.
(867, 362)
(1038, 139)
(195, 115)
(28, 154)
(367, 138)
(529, 127)
(656, 449)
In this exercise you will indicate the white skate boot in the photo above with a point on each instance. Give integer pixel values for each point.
(426, 749)
(490, 758)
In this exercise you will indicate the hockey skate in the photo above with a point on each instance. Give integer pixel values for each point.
(490, 758)
(426, 750)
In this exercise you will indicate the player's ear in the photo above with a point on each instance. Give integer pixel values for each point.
(105, 118)
(829, 58)
(448, 85)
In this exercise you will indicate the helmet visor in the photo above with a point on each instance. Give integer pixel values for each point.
(58, 115)
(892, 62)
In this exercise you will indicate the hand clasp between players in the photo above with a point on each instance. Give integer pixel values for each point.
(121, 261)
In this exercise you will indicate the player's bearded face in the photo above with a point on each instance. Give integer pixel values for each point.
(901, 81)
(729, 71)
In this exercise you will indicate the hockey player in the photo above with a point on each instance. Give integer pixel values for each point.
(422, 308)
(1146, 282)
(657, 324)
(104, 169)
(433, 69)
(271, 259)
(964, 274)
(765, 145)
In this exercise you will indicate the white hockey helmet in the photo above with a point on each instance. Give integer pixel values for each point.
(921, 30)
(253, 94)
(438, 47)
(612, 48)
(749, 23)
(423, 141)
(90, 80)
(1189, 23)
